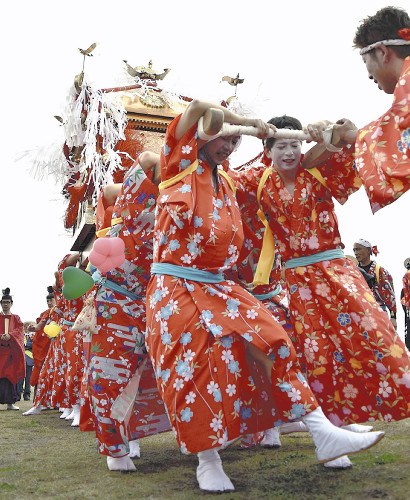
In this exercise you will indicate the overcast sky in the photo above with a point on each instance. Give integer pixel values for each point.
(296, 58)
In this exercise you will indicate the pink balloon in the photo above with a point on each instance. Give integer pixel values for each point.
(107, 254)
(96, 258)
(117, 246)
(102, 246)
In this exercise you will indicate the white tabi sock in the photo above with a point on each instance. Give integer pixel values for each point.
(340, 463)
(333, 442)
(121, 464)
(358, 428)
(210, 474)
(32, 411)
(76, 418)
(291, 427)
(135, 451)
(271, 438)
(65, 413)
(70, 416)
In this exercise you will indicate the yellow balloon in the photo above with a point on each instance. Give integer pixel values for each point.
(52, 329)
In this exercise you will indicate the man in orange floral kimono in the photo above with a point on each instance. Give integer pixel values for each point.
(117, 360)
(383, 146)
(201, 327)
(356, 365)
(41, 342)
(273, 296)
(51, 388)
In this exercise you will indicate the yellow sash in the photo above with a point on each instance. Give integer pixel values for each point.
(170, 182)
(317, 175)
(102, 232)
(377, 273)
(228, 179)
(190, 170)
(267, 255)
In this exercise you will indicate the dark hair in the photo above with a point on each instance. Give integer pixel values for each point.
(50, 291)
(384, 25)
(6, 295)
(282, 122)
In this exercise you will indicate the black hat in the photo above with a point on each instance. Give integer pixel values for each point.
(6, 295)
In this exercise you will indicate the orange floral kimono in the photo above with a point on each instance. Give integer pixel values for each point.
(199, 324)
(73, 352)
(383, 148)
(49, 379)
(41, 344)
(117, 360)
(274, 295)
(68, 365)
(356, 365)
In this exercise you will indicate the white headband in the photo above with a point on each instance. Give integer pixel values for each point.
(399, 41)
(364, 243)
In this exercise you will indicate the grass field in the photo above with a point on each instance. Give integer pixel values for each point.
(41, 456)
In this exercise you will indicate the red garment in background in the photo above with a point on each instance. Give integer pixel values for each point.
(41, 344)
(12, 357)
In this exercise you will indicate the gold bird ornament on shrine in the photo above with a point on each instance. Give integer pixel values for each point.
(234, 81)
(146, 72)
(87, 52)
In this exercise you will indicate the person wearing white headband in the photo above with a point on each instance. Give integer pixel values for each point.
(382, 146)
(381, 280)
(405, 301)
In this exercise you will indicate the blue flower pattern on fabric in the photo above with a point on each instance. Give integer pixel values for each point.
(339, 357)
(344, 319)
(186, 414)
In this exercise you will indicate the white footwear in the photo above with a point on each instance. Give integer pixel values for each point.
(291, 427)
(339, 463)
(333, 442)
(358, 428)
(66, 412)
(271, 438)
(135, 451)
(76, 417)
(32, 411)
(12, 407)
(210, 474)
(121, 464)
(70, 416)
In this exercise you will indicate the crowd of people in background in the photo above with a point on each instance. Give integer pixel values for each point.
(235, 316)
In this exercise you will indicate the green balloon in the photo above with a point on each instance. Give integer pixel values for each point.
(76, 282)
